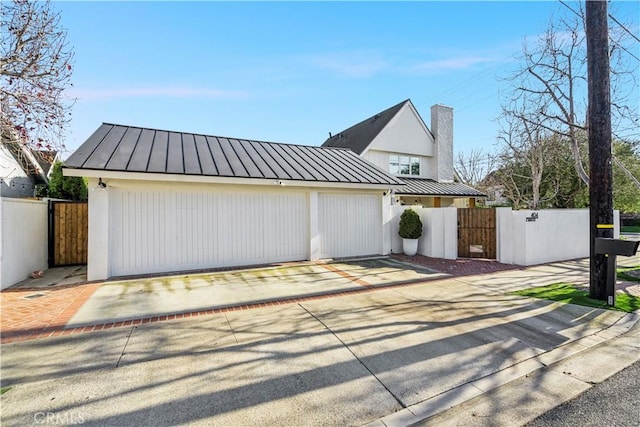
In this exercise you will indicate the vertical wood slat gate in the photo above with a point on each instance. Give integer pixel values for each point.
(68, 233)
(477, 233)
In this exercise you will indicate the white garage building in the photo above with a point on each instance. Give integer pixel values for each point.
(163, 201)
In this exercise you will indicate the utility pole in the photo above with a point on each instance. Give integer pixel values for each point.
(599, 125)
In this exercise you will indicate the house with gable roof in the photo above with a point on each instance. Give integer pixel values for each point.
(22, 168)
(398, 141)
(167, 201)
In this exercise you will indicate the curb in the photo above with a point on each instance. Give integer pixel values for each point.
(458, 403)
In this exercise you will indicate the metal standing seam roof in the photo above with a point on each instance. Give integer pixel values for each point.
(359, 136)
(122, 148)
(429, 187)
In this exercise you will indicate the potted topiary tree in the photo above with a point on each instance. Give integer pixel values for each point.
(410, 230)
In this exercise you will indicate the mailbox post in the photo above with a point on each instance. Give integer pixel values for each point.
(611, 248)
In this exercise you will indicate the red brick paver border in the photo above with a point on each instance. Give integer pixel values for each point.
(33, 313)
(345, 274)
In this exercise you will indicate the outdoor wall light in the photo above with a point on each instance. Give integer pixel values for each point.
(101, 184)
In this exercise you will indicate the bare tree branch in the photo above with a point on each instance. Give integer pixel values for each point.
(35, 69)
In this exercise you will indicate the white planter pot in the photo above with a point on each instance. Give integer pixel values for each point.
(410, 246)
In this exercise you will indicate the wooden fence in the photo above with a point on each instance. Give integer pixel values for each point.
(68, 233)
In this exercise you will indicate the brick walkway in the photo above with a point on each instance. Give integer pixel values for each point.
(457, 267)
(32, 313)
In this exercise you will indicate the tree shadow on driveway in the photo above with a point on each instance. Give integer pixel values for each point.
(338, 361)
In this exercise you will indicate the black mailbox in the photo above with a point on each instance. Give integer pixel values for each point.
(611, 248)
(606, 246)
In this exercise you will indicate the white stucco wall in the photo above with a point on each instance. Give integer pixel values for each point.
(23, 239)
(428, 169)
(98, 253)
(439, 231)
(405, 133)
(556, 235)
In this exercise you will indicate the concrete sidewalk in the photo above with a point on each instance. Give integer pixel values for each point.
(393, 356)
(562, 376)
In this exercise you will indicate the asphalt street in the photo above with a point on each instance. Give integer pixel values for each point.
(614, 402)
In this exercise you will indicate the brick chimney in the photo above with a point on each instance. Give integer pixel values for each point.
(442, 129)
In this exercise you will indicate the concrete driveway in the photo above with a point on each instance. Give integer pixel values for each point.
(396, 353)
(124, 300)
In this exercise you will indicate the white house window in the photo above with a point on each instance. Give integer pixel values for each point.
(415, 166)
(404, 165)
(393, 165)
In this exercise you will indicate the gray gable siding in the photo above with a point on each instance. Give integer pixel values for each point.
(133, 149)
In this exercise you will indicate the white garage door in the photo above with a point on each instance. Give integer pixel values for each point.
(156, 231)
(350, 225)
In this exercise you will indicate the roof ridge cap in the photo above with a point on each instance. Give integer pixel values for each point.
(213, 136)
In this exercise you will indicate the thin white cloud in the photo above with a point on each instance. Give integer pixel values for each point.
(156, 92)
(368, 64)
(350, 64)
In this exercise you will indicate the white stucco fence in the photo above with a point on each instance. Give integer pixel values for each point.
(439, 231)
(23, 239)
(555, 235)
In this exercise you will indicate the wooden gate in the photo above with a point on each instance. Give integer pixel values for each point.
(477, 233)
(68, 233)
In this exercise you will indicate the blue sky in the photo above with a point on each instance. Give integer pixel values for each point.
(294, 71)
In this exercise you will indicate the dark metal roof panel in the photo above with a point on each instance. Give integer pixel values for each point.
(237, 167)
(191, 155)
(134, 149)
(287, 170)
(208, 166)
(335, 170)
(175, 162)
(271, 161)
(80, 156)
(246, 160)
(103, 152)
(322, 172)
(122, 153)
(263, 168)
(158, 155)
(369, 170)
(140, 157)
(336, 173)
(429, 187)
(293, 163)
(224, 168)
(345, 168)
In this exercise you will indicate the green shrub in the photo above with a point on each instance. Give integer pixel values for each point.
(66, 187)
(410, 225)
